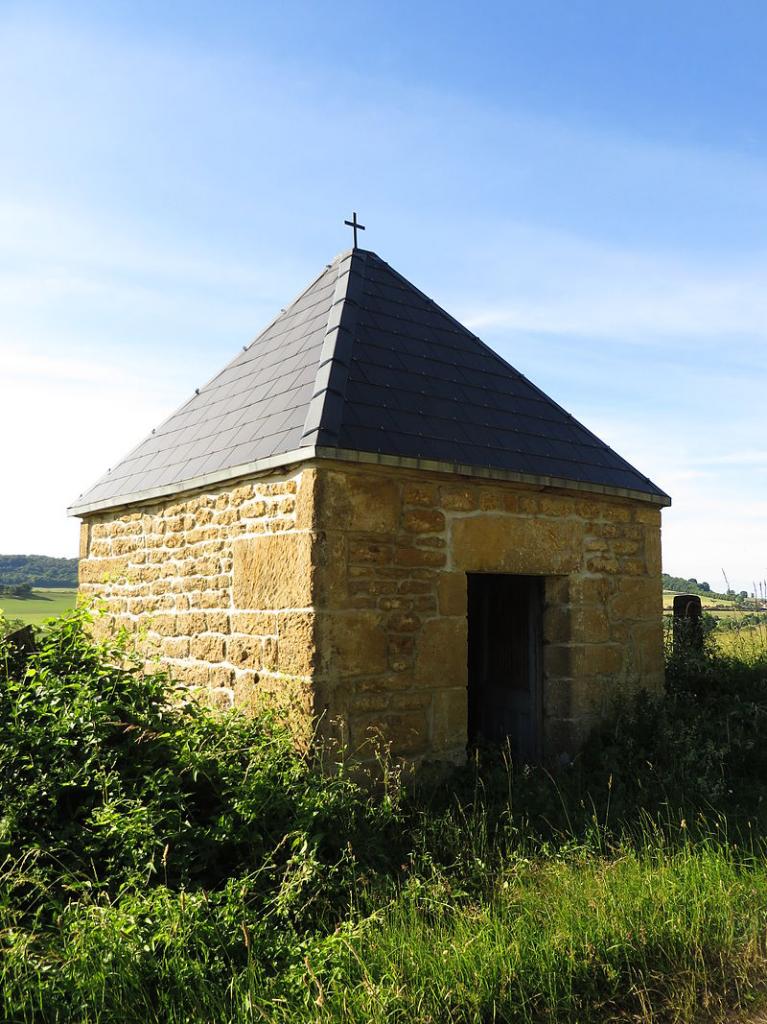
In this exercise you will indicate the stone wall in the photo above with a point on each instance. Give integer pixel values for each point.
(344, 587)
(181, 575)
(391, 601)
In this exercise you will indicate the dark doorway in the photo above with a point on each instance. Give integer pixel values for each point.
(505, 617)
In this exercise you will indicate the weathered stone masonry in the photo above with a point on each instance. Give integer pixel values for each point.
(345, 586)
(170, 572)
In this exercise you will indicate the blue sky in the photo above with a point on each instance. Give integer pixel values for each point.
(583, 184)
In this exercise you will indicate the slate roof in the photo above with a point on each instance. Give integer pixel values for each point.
(364, 363)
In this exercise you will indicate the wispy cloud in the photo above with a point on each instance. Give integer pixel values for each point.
(605, 291)
(736, 458)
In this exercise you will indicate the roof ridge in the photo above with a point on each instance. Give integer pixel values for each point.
(325, 411)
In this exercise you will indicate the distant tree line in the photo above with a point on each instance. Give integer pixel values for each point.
(36, 571)
(15, 589)
(691, 586)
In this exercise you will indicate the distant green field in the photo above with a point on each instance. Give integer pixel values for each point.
(39, 606)
(720, 603)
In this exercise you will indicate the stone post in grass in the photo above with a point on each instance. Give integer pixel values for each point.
(688, 623)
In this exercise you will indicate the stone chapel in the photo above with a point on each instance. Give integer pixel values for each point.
(371, 515)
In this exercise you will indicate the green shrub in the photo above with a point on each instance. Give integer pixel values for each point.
(113, 776)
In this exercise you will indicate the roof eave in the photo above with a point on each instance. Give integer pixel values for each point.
(299, 455)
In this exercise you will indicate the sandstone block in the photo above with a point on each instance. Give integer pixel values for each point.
(220, 676)
(190, 623)
(590, 589)
(633, 566)
(245, 687)
(85, 539)
(596, 659)
(217, 622)
(269, 658)
(257, 623)
(175, 647)
(253, 509)
(401, 652)
(617, 512)
(648, 644)
(441, 653)
(212, 598)
(403, 622)
(452, 593)
(357, 644)
(220, 696)
(557, 624)
(369, 701)
(306, 504)
(103, 570)
(529, 504)
(192, 675)
(369, 552)
(602, 564)
(296, 643)
(499, 543)
(389, 683)
(359, 501)
(414, 587)
(423, 521)
(625, 547)
(557, 589)
(458, 499)
(449, 722)
(648, 516)
(240, 494)
(491, 499)
(637, 598)
(652, 551)
(277, 487)
(408, 700)
(165, 625)
(422, 495)
(244, 651)
(419, 556)
(207, 648)
(273, 571)
(331, 577)
(590, 624)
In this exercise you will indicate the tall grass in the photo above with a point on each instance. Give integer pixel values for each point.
(648, 934)
(161, 862)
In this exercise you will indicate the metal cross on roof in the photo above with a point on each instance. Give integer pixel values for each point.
(355, 226)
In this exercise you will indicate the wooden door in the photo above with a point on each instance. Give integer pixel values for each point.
(505, 615)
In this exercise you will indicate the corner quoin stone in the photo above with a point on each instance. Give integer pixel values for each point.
(272, 572)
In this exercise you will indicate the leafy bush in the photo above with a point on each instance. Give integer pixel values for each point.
(111, 775)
